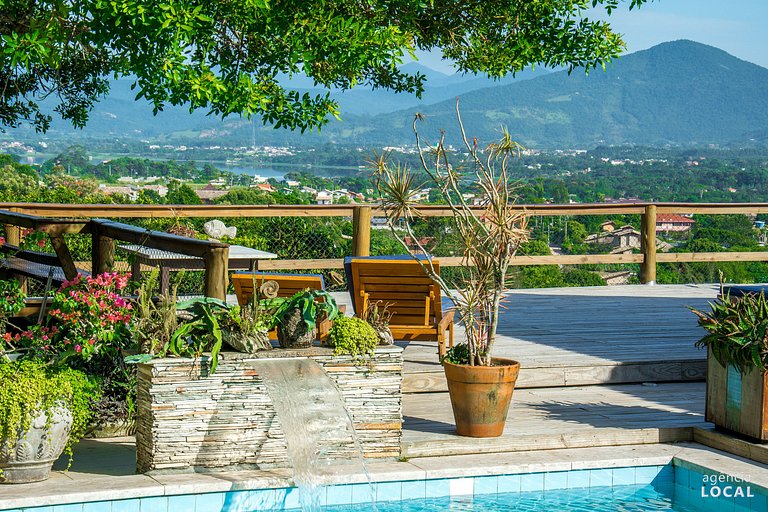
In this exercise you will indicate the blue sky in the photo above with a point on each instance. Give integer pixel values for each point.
(740, 27)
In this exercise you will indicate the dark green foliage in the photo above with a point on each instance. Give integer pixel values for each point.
(311, 303)
(226, 57)
(737, 330)
(457, 354)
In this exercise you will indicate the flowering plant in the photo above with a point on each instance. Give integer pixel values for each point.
(91, 315)
(11, 299)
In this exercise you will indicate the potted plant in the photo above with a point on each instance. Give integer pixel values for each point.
(490, 233)
(737, 362)
(44, 411)
(378, 316)
(296, 316)
(352, 336)
(246, 328)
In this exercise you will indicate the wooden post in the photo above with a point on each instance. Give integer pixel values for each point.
(12, 232)
(65, 258)
(102, 253)
(648, 245)
(216, 272)
(361, 231)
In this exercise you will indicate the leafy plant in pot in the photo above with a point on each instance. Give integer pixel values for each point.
(296, 316)
(44, 411)
(737, 362)
(480, 386)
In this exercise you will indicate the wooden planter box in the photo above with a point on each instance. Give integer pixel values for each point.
(187, 418)
(737, 401)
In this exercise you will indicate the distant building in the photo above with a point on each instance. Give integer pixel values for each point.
(623, 240)
(209, 193)
(130, 192)
(672, 223)
(265, 187)
(161, 190)
(324, 197)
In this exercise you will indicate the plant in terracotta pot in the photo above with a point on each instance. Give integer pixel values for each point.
(296, 317)
(490, 233)
(737, 361)
(44, 411)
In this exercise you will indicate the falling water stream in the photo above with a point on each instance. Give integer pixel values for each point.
(318, 429)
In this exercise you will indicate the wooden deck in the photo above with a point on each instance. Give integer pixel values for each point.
(585, 336)
(569, 417)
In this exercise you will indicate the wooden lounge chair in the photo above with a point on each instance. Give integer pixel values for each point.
(288, 285)
(414, 299)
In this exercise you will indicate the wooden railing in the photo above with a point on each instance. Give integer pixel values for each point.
(105, 233)
(361, 216)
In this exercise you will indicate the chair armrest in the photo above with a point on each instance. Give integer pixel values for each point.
(446, 320)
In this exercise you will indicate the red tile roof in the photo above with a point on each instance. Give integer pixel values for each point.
(671, 217)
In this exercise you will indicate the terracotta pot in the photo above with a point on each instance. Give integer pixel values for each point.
(480, 396)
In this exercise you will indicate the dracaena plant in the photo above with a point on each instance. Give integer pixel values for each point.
(737, 330)
(489, 233)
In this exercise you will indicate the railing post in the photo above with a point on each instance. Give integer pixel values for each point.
(648, 245)
(216, 272)
(361, 231)
(102, 251)
(12, 232)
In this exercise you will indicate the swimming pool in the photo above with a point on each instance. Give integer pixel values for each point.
(676, 486)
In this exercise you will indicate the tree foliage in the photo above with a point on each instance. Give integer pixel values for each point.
(228, 57)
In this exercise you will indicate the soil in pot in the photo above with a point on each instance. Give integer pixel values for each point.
(293, 331)
(480, 396)
(29, 457)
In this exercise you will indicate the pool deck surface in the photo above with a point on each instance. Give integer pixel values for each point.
(611, 378)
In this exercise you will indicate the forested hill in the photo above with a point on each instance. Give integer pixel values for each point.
(679, 92)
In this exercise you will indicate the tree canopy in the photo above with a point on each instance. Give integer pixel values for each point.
(236, 56)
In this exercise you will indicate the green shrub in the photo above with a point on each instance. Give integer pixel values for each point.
(354, 336)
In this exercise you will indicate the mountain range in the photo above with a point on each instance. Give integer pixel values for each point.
(680, 92)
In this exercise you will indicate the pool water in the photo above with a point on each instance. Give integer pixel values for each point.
(625, 498)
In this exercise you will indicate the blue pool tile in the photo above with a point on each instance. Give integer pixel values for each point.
(644, 475)
(509, 483)
(285, 498)
(34, 509)
(665, 474)
(532, 482)
(600, 477)
(486, 485)
(578, 478)
(414, 489)
(72, 507)
(181, 502)
(438, 488)
(154, 504)
(363, 493)
(556, 480)
(208, 502)
(390, 491)
(98, 506)
(247, 501)
(126, 506)
(624, 476)
(338, 495)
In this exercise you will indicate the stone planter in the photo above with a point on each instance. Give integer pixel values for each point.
(29, 457)
(188, 418)
(247, 344)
